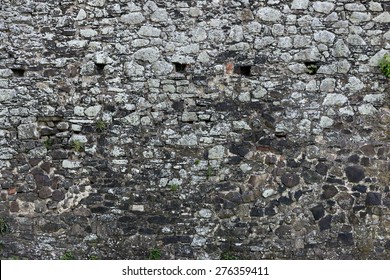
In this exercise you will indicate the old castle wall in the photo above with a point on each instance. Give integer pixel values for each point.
(200, 129)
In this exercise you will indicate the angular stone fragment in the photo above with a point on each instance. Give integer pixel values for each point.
(359, 17)
(329, 191)
(132, 18)
(325, 223)
(318, 212)
(345, 200)
(93, 111)
(323, 7)
(28, 131)
(290, 180)
(160, 15)
(147, 54)
(45, 192)
(217, 152)
(96, 3)
(341, 49)
(324, 37)
(373, 198)
(345, 238)
(71, 164)
(188, 140)
(269, 14)
(149, 31)
(354, 173)
(299, 4)
(382, 18)
(335, 99)
(6, 94)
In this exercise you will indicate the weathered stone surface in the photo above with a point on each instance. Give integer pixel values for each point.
(290, 180)
(28, 131)
(373, 198)
(318, 212)
(258, 128)
(354, 173)
(269, 14)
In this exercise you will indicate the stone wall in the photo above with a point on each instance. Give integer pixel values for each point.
(194, 129)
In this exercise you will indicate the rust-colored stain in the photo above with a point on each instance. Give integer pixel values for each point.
(229, 68)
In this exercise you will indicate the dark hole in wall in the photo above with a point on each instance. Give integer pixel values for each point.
(180, 67)
(100, 68)
(18, 72)
(244, 70)
(312, 67)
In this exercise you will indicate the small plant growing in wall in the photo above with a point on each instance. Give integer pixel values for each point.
(154, 254)
(228, 256)
(48, 143)
(100, 125)
(197, 162)
(209, 172)
(68, 256)
(174, 187)
(77, 145)
(4, 227)
(384, 65)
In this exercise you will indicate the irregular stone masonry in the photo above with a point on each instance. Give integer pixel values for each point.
(197, 129)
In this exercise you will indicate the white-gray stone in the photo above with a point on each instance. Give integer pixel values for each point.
(160, 15)
(71, 164)
(326, 122)
(376, 99)
(263, 42)
(205, 213)
(147, 54)
(328, 85)
(311, 54)
(299, 4)
(236, 34)
(188, 140)
(93, 111)
(374, 61)
(96, 3)
(367, 109)
(340, 49)
(301, 41)
(355, 40)
(198, 241)
(199, 34)
(102, 58)
(189, 117)
(149, 31)
(88, 33)
(28, 131)
(7, 94)
(7, 153)
(323, 7)
(133, 119)
(324, 37)
(161, 68)
(382, 18)
(357, 7)
(132, 18)
(81, 15)
(78, 138)
(358, 17)
(269, 14)
(268, 193)
(217, 152)
(133, 69)
(354, 84)
(335, 100)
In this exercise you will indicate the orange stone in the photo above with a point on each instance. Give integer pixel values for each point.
(11, 191)
(229, 68)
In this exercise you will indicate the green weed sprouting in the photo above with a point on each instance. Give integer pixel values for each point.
(384, 65)
(77, 145)
(100, 125)
(154, 254)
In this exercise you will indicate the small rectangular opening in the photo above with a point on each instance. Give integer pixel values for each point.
(180, 67)
(311, 67)
(18, 72)
(244, 70)
(100, 68)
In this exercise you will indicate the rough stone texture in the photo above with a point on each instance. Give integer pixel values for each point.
(258, 127)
